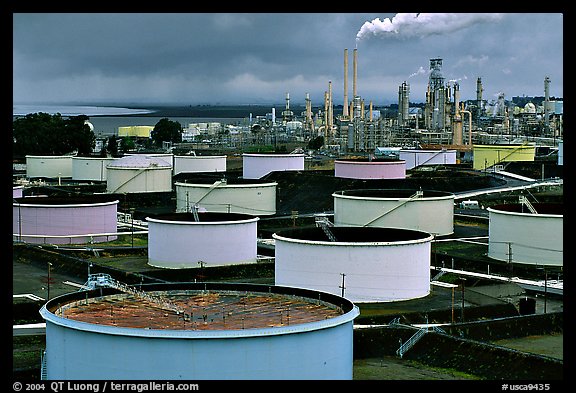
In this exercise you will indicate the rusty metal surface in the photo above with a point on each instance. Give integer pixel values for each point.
(208, 310)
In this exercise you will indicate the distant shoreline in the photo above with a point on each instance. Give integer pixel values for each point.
(201, 111)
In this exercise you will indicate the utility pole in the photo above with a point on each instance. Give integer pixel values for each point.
(342, 286)
(462, 281)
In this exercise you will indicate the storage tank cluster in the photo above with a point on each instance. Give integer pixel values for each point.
(187, 240)
(422, 210)
(226, 332)
(519, 235)
(69, 220)
(362, 264)
(370, 169)
(245, 196)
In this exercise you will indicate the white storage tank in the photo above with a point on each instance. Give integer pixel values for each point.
(90, 168)
(64, 220)
(419, 157)
(49, 166)
(518, 235)
(194, 164)
(139, 173)
(228, 331)
(178, 241)
(247, 196)
(422, 210)
(372, 264)
(560, 152)
(256, 166)
(370, 169)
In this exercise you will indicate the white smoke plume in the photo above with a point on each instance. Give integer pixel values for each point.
(408, 25)
(420, 71)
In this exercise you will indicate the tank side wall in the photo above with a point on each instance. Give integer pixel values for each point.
(533, 239)
(248, 200)
(184, 246)
(319, 354)
(65, 221)
(52, 167)
(372, 273)
(370, 170)
(434, 216)
(192, 164)
(256, 167)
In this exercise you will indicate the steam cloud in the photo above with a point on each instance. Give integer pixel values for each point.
(408, 25)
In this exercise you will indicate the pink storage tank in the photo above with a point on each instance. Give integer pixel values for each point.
(64, 220)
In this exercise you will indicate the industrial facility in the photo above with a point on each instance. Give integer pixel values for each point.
(291, 246)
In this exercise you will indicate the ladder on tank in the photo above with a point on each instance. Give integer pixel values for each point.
(324, 223)
(526, 202)
(105, 280)
(416, 195)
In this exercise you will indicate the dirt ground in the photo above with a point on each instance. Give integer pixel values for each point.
(394, 368)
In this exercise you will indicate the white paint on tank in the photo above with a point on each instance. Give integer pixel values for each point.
(376, 271)
(525, 237)
(256, 166)
(49, 166)
(258, 199)
(177, 244)
(432, 212)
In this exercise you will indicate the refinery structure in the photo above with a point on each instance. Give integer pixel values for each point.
(425, 232)
(357, 126)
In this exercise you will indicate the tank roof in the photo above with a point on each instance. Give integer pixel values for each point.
(212, 306)
(355, 234)
(541, 208)
(391, 193)
(203, 217)
(139, 161)
(367, 160)
(67, 200)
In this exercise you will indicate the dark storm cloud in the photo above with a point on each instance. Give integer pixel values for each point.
(245, 58)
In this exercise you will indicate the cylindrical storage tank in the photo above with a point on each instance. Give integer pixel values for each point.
(419, 157)
(366, 265)
(178, 241)
(370, 169)
(135, 174)
(48, 166)
(256, 166)
(65, 220)
(517, 235)
(228, 331)
(17, 191)
(254, 197)
(422, 210)
(193, 164)
(90, 168)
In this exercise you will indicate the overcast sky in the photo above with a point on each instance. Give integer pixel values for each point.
(256, 58)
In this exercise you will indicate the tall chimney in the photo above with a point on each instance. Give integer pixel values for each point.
(345, 106)
(355, 68)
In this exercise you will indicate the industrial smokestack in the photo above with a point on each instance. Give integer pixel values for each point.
(546, 103)
(355, 75)
(345, 106)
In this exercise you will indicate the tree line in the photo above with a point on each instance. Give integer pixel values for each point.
(45, 134)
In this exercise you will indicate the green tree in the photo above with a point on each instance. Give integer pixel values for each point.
(45, 134)
(112, 146)
(316, 143)
(127, 144)
(166, 131)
